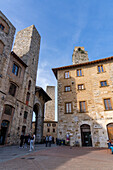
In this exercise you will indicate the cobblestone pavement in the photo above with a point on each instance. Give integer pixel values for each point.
(55, 158)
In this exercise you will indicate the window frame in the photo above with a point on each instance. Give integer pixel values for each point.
(13, 69)
(100, 68)
(79, 72)
(11, 109)
(81, 109)
(81, 88)
(104, 83)
(67, 110)
(11, 83)
(66, 87)
(66, 74)
(110, 107)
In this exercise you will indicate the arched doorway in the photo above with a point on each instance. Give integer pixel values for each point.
(86, 135)
(35, 113)
(4, 130)
(110, 131)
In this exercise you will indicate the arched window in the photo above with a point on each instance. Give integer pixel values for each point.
(110, 131)
(27, 98)
(8, 109)
(29, 85)
(1, 47)
(12, 89)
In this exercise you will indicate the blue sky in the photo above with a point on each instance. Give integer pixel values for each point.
(64, 24)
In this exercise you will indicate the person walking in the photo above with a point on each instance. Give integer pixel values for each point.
(50, 140)
(47, 139)
(31, 143)
(21, 140)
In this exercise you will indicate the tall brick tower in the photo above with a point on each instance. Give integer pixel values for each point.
(50, 105)
(79, 55)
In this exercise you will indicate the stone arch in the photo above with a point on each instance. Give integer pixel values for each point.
(4, 131)
(86, 135)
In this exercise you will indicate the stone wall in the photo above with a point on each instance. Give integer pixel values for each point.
(93, 94)
(50, 105)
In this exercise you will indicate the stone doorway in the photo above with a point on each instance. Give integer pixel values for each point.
(86, 135)
(3, 132)
(110, 131)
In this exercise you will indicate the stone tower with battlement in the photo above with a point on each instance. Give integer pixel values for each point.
(79, 55)
(50, 105)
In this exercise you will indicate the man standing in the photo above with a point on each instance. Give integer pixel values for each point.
(47, 139)
(50, 140)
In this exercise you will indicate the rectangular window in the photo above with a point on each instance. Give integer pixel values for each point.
(27, 98)
(68, 107)
(100, 69)
(66, 75)
(103, 83)
(2, 27)
(48, 130)
(107, 104)
(25, 114)
(8, 110)
(15, 69)
(79, 72)
(12, 89)
(82, 105)
(80, 86)
(67, 88)
(53, 130)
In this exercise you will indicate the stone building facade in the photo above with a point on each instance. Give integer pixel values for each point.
(18, 70)
(50, 125)
(85, 101)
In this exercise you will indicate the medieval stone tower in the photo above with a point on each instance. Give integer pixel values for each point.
(18, 70)
(79, 55)
(50, 105)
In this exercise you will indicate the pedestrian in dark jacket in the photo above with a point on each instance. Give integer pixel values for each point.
(21, 140)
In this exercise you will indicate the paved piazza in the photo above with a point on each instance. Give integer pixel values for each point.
(55, 157)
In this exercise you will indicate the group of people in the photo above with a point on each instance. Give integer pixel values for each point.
(27, 139)
(48, 140)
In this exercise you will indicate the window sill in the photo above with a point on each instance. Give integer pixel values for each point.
(101, 72)
(81, 89)
(67, 78)
(69, 113)
(83, 111)
(104, 86)
(109, 110)
(81, 76)
(67, 91)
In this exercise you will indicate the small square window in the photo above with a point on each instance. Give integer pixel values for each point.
(67, 88)
(79, 72)
(80, 86)
(103, 83)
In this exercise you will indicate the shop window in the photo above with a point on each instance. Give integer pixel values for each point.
(107, 104)
(68, 107)
(12, 89)
(8, 110)
(82, 105)
(15, 69)
(66, 75)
